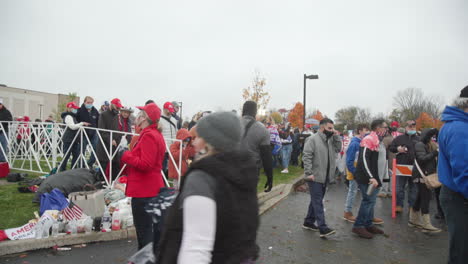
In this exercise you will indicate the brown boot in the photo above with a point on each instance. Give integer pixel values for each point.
(348, 216)
(362, 232)
(381, 195)
(377, 221)
(375, 230)
(399, 209)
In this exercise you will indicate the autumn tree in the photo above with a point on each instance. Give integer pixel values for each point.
(317, 115)
(256, 91)
(425, 120)
(296, 115)
(277, 117)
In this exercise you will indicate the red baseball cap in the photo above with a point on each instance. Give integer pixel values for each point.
(169, 106)
(72, 105)
(395, 124)
(116, 102)
(152, 110)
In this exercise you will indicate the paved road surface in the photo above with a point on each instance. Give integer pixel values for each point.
(282, 240)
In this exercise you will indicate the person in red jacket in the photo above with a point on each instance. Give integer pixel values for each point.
(188, 152)
(144, 164)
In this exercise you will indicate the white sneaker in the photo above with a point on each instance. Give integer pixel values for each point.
(285, 171)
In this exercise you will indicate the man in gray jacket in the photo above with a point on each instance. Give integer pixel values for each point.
(256, 140)
(319, 166)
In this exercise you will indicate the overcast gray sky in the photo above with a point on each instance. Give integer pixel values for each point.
(204, 52)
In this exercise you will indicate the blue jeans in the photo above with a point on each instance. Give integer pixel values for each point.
(75, 152)
(400, 190)
(315, 212)
(352, 190)
(455, 208)
(366, 211)
(4, 144)
(93, 140)
(286, 155)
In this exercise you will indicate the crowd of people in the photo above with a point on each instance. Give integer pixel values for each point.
(214, 218)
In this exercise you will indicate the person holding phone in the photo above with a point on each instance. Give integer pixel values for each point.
(319, 159)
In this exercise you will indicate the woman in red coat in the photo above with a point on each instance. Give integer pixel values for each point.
(144, 164)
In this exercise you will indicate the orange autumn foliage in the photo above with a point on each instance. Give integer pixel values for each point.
(317, 116)
(425, 120)
(296, 115)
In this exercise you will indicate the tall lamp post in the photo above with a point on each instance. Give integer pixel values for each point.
(312, 77)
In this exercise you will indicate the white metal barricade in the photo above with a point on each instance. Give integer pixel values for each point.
(38, 147)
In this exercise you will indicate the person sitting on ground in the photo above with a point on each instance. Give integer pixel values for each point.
(221, 183)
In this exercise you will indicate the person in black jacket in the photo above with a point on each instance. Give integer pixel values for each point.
(296, 148)
(5, 116)
(426, 157)
(367, 176)
(214, 219)
(109, 120)
(71, 140)
(403, 146)
(89, 114)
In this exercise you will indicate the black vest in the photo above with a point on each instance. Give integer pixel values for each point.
(69, 134)
(237, 211)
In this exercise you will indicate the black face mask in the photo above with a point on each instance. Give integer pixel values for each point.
(328, 133)
(115, 111)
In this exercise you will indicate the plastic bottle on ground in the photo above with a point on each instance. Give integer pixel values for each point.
(106, 221)
(116, 220)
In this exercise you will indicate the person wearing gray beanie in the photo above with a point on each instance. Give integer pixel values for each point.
(220, 183)
(221, 130)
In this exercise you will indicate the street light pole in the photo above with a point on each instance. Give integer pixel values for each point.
(312, 77)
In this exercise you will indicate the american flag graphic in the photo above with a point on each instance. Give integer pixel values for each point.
(73, 211)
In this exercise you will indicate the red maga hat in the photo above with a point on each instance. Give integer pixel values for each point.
(72, 105)
(116, 102)
(152, 110)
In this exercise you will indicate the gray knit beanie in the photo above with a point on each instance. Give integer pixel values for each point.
(222, 130)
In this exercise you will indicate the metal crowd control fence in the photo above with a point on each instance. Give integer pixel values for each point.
(38, 147)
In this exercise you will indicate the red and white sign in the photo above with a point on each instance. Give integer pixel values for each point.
(404, 170)
(22, 232)
(28, 230)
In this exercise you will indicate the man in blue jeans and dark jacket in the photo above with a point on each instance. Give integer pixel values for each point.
(453, 174)
(319, 159)
(371, 156)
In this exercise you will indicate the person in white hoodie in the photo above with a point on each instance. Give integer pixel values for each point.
(169, 130)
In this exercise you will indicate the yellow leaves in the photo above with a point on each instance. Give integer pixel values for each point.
(256, 92)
